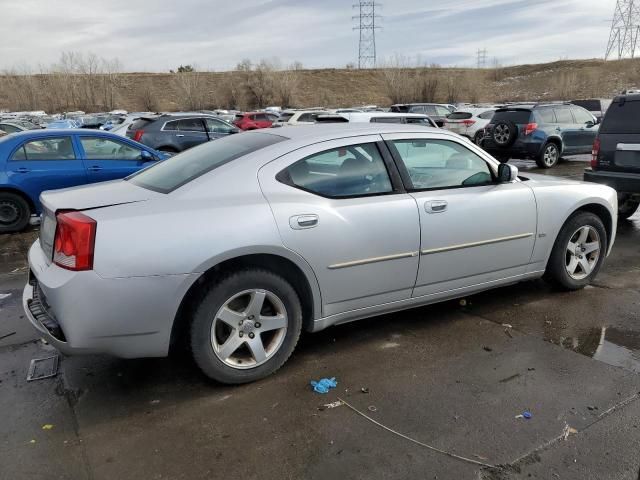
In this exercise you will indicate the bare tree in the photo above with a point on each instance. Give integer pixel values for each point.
(191, 89)
(426, 87)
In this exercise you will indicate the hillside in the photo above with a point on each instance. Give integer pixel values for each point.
(327, 87)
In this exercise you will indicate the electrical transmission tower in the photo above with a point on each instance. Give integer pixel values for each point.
(482, 58)
(367, 25)
(624, 29)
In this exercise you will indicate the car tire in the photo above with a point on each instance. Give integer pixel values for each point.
(14, 212)
(478, 138)
(505, 134)
(229, 310)
(549, 156)
(628, 208)
(571, 252)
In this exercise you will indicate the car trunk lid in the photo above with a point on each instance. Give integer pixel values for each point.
(86, 197)
(619, 137)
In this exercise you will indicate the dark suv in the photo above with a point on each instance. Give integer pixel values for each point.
(616, 153)
(543, 132)
(175, 133)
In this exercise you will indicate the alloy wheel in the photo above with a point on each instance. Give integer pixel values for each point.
(551, 154)
(501, 134)
(249, 328)
(583, 252)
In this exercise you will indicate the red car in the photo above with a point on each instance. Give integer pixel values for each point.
(254, 120)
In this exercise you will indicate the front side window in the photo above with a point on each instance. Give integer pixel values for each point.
(216, 126)
(96, 148)
(434, 164)
(581, 115)
(442, 111)
(59, 148)
(9, 128)
(418, 109)
(354, 170)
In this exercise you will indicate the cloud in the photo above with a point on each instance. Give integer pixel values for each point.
(215, 34)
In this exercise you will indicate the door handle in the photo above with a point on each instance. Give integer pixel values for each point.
(95, 168)
(435, 206)
(301, 222)
(23, 170)
(179, 135)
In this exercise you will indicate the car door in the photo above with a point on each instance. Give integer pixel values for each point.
(45, 163)
(567, 129)
(473, 229)
(217, 129)
(587, 129)
(191, 132)
(107, 158)
(335, 206)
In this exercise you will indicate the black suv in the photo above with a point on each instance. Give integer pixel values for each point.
(174, 133)
(543, 132)
(616, 153)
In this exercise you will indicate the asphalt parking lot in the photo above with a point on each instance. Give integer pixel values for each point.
(452, 376)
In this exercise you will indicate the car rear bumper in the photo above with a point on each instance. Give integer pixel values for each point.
(620, 181)
(82, 312)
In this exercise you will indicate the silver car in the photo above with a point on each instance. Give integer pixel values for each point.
(238, 245)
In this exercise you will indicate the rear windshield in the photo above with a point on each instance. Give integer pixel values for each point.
(166, 176)
(459, 116)
(622, 118)
(519, 117)
(140, 123)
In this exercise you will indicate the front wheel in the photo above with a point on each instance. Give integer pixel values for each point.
(549, 156)
(14, 212)
(578, 252)
(478, 138)
(246, 326)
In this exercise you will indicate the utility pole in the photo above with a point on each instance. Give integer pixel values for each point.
(482, 58)
(368, 22)
(625, 28)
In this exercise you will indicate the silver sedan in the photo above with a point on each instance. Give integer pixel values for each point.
(236, 246)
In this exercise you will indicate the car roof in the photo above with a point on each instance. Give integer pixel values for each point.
(63, 131)
(383, 115)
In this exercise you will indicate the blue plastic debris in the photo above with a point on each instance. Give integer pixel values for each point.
(324, 384)
(527, 415)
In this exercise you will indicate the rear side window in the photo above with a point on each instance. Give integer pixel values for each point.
(563, 115)
(190, 125)
(171, 126)
(459, 116)
(519, 117)
(622, 118)
(166, 176)
(46, 149)
(355, 170)
(547, 115)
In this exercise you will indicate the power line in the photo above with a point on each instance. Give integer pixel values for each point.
(368, 22)
(625, 28)
(482, 58)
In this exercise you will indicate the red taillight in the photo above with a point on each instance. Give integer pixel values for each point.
(74, 241)
(595, 151)
(138, 135)
(468, 123)
(530, 128)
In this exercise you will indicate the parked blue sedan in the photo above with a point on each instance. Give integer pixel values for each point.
(38, 160)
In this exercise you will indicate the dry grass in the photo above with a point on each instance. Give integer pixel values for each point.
(263, 84)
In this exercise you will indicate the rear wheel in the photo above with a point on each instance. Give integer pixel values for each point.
(246, 326)
(578, 252)
(549, 156)
(14, 212)
(478, 137)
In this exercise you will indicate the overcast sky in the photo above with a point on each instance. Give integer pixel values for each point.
(158, 35)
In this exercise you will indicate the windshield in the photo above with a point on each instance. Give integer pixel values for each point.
(166, 176)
